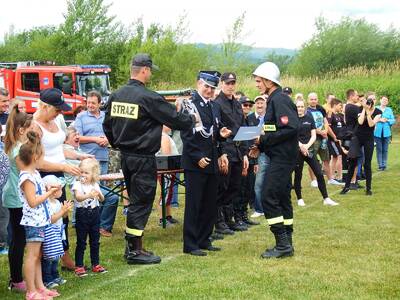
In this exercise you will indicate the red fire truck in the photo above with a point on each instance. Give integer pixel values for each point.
(25, 80)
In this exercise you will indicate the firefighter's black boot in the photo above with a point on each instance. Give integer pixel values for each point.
(216, 236)
(289, 233)
(220, 226)
(136, 255)
(233, 220)
(282, 248)
(245, 219)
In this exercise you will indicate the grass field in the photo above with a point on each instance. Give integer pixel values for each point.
(346, 252)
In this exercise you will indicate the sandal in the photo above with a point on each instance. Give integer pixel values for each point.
(36, 296)
(49, 293)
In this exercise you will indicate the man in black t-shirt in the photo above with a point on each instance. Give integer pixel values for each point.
(350, 117)
(335, 148)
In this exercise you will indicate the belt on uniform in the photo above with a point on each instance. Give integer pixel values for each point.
(236, 143)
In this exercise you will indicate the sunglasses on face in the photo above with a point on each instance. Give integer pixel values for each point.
(247, 105)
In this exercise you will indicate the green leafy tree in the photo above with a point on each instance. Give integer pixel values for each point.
(86, 25)
(282, 61)
(33, 44)
(234, 54)
(348, 43)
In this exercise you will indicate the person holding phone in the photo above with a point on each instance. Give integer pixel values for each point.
(367, 117)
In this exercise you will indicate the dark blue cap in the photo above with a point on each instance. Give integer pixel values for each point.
(54, 97)
(244, 99)
(287, 90)
(143, 60)
(210, 78)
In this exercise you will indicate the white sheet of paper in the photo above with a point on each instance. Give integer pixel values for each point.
(247, 133)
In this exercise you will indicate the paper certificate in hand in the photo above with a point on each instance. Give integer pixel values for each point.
(247, 133)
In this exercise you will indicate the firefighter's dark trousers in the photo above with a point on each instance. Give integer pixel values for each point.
(140, 173)
(200, 209)
(276, 201)
(228, 195)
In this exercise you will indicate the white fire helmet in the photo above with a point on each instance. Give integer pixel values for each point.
(268, 70)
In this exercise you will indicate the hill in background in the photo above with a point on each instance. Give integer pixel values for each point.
(256, 54)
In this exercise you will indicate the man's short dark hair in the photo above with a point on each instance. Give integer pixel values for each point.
(95, 94)
(350, 93)
(335, 101)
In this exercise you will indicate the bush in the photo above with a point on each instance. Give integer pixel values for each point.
(383, 79)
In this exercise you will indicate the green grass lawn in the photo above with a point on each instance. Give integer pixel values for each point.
(346, 252)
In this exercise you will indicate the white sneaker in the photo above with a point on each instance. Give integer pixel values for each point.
(256, 215)
(330, 202)
(314, 183)
(334, 182)
(300, 202)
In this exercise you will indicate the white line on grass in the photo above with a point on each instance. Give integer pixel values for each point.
(129, 273)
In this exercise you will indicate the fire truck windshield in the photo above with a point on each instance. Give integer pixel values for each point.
(88, 82)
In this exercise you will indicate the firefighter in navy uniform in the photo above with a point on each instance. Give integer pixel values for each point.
(133, 124)
(228, 199)
(280, 143)
(201, 160)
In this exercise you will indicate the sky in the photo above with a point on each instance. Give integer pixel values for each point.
(275, 24)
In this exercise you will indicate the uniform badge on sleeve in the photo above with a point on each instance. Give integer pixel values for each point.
(269, 127)
(124, 110)
(284, 120)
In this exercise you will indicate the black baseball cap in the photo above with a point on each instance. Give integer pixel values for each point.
(143, 60)
(54, 97)
(287, 90)
(244, 99)
(228, 77)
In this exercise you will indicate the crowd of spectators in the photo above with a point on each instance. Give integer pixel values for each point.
(343, 135)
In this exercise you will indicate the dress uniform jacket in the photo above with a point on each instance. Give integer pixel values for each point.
(195, 146)
(201, 184)
(232, 117)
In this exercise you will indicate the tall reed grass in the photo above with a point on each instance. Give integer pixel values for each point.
(384, 79)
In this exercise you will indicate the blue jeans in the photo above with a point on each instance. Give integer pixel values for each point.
(49, 270)
(263, 163)
(108, 208)
(174, 201)
(360, 163)
(382, 146)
